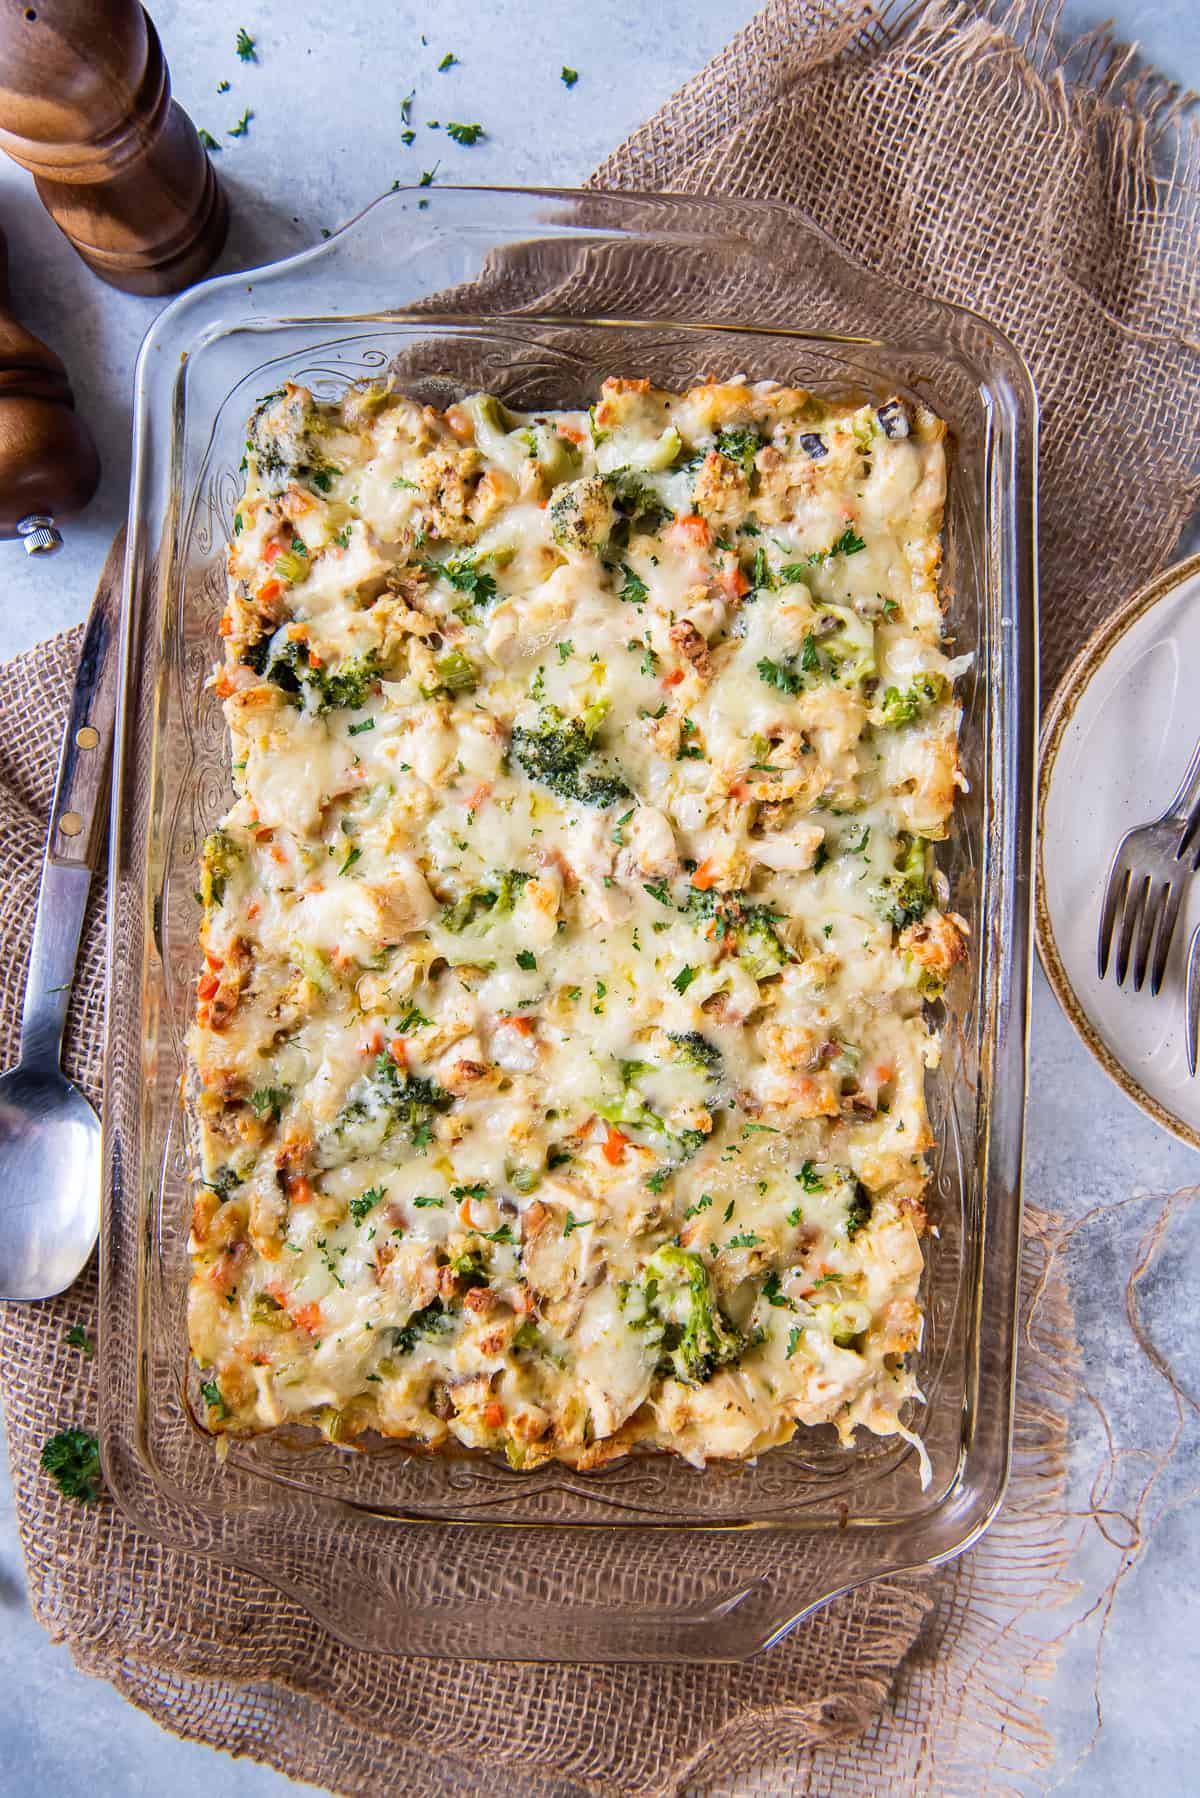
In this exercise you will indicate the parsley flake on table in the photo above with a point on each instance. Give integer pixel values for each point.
(245, 46)
(464, 134)
(427, 175)
(77, 1337)
(568, 76)
(242, 128)
(222, 87)
(207, 139)
(448, 62)
(72, 1459)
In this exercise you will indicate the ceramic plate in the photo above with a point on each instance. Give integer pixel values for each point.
(1116, 742)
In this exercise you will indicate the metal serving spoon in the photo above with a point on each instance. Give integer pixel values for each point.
(49, 1134)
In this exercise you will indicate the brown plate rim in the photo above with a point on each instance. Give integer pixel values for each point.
(1061, 710)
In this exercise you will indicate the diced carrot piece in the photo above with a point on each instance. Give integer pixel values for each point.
(272, 550)
(493, 1415)
(269, 592)
(615, 1146)
(706, 875)
(694, 528)
(226, 625)
(571, 433)
(208, 986)
(673, 679)
(299, 1191)
(215, 962)
(517, 1021)
(372, 1044)
(476, 798)
(223, 686)
(309, 1318)
(460, 423)
(398, 1050)
(734, 581)
(253, 909)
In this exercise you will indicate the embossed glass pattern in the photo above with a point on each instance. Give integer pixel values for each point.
(537, 296)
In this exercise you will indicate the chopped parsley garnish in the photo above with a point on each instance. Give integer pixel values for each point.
(353, 855)
(633, 587)
(77, 1337)
(412, 1020)
(241, 129)
(359, 1207)
(244, 45)
(526, 959)
(684, 979)
(779, 677)
(464, 134)
(425, 1202)
(809, 1178)
(568, 77)
(793, 1341)
(427, 175)
(703, 1203)
(576, 1223)
(448, 62)
(356, 730)
(774, 1294)
(745, 1239)
(269, 1101)
(658, 891)
(207, 139)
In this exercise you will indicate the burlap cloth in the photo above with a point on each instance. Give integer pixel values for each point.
(959, 150)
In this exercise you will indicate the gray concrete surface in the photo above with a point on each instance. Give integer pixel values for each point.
(324, 140)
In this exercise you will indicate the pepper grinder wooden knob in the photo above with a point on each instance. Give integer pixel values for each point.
(48, 462)
(85, 106)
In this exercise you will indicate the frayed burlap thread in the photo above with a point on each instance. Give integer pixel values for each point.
(958, 150)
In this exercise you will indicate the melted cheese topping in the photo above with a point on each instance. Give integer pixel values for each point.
(560, 1047)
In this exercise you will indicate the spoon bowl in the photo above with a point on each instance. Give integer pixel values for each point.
(50, 1190)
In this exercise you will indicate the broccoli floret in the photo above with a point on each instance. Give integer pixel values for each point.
(636, 500)
(582, 515)
(740, 444)
(476, 904)
(560, 459)
(555, 752)
(858, 1211)
(900, 708)
(512, 884)
(456, 673)
(72, 1459)
(696, 1051)
(905, 894)
(218, 859)
(757, 943)
(674, 1303)
(287, 666)
(759, 947)
(430, 1320)
(411, 1101)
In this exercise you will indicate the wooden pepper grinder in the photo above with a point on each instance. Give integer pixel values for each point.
(48, 462)
(85, 106)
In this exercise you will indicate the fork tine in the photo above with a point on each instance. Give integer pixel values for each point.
(1166, 930)
(1115, 891)
(1192, 1026)
(1158, 894)
(1138, 887)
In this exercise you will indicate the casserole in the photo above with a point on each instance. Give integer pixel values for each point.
(535, 296)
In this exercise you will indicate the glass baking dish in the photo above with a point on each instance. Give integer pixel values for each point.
(537, 295)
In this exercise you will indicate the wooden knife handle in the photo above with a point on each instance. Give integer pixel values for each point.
(85, 106)
(48, 462)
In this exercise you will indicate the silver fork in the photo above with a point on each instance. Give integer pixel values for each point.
(1146, 883)
(1193, 1000)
